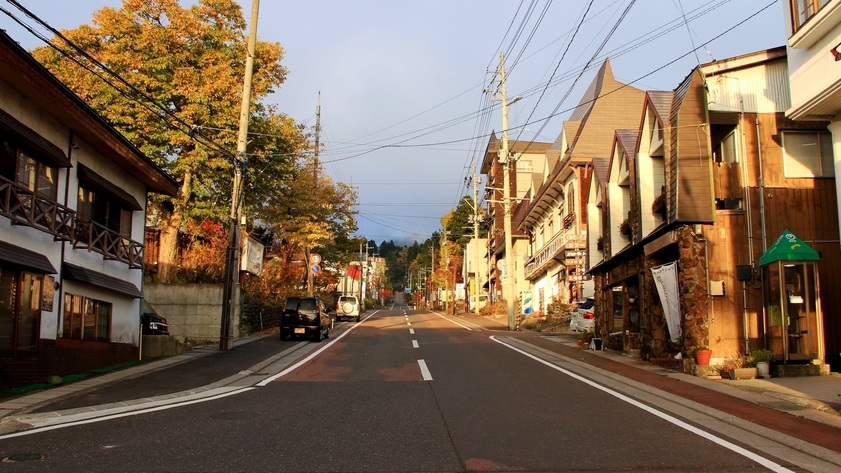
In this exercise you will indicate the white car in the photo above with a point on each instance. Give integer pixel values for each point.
(348, 306)
(484, 299)
(583, 317)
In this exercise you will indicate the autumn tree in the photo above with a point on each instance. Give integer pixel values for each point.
(170, 79)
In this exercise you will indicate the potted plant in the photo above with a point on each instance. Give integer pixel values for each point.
(659, 204)
(625, 227)
(584, 338)
(738, 368)
(702, 356)
(762, 359)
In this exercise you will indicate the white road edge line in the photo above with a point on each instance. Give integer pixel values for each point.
(122, 414)
(312, 355)
(427, 376)
(415, 344)
(453, 321)
(701, 433)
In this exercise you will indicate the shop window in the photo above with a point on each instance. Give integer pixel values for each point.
(20, 313)
(86, 318)
(808, 154)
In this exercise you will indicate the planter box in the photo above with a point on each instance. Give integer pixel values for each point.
(742, 373)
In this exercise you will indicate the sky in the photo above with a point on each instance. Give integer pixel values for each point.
(402, 83)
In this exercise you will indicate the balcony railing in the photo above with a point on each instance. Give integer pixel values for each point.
(554, 250)
(25, 207)
(108, 243)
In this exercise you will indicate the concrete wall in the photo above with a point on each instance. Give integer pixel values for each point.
(192, 310)
(156, 346)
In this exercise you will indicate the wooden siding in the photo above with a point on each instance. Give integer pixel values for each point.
(691, 177)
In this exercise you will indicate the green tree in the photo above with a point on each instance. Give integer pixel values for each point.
(191, 62)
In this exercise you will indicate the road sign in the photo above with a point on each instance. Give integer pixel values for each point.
(315, 258)
(315, 268)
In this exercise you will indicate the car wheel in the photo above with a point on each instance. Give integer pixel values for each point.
(357, 319)
(318, 335)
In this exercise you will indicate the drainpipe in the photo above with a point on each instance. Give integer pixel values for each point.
(761, 221)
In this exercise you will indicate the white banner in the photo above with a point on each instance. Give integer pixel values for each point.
(665, 277)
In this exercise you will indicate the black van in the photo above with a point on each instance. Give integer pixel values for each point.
(305, 316)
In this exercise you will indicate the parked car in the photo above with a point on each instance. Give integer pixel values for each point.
(305, 317)
(348, 306)
(484, 299)
(151, 322)
(583, 317)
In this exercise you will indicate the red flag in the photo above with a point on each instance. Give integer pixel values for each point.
(354, 272)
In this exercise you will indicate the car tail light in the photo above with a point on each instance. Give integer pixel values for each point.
(588, 315)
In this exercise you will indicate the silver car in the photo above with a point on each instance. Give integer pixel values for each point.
(583, 317)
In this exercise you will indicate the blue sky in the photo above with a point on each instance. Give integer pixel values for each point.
(402, 82)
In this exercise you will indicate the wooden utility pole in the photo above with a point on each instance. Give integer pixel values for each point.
(232, 260)
(310, 263)
(476, 279)
(505, 160)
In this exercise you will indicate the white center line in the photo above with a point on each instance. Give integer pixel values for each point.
(427, 376)
(415, 344)
(412, 331)
(408, 323)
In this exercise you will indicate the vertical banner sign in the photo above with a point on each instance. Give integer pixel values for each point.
(665, 277)
(527, 302)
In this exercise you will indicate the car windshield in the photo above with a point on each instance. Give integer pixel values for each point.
(348, 299)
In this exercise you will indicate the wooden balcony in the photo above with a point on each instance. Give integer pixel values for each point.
(24, 207)
(108, 243)
(554, 251)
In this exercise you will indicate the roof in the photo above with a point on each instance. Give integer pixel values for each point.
(601, 166)
(662, 103)
(788, 248)
(628, 140)
(21, 71)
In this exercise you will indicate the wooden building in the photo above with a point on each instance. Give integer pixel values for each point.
(714, 174)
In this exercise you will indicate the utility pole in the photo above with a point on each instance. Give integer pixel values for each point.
(232, 260)
(476, 279)
(310, 273)
(505, 159)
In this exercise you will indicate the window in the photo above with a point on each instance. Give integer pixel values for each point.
(98, 207)
(808, 154)
(20, 166)
(86, 318)
(726, 151)
(802, 10)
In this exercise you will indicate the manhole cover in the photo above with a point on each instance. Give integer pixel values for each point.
(22, 457)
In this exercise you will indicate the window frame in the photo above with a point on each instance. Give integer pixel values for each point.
(86, 318)
(819, 161)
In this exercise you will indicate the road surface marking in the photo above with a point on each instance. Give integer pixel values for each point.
(408, 323)
(415, 344)
(427, 376)
(412, 331)
(312, 355)
(453, 321)
(701, 433)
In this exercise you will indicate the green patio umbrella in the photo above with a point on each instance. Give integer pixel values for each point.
(789, 248)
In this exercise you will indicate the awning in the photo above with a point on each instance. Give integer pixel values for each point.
(88, 276)
(98, 182)
(26, 259)
(28, 138)
(788, 248)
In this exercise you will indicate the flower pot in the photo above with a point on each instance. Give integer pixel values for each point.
(702, 357)
(742, 373)
(763, 369)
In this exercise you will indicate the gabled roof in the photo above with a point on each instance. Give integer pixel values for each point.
(21, 71)
(661, 102)
(601, 167)
(628, 140)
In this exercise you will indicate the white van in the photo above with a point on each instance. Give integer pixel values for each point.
(484, 299)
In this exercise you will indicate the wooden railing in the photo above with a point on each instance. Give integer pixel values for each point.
(25, 207)
(554, 250)
(112, 245)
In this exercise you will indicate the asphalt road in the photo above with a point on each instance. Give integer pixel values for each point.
(403, 391)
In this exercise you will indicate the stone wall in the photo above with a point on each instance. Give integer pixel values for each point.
(692, 280)
(193, 311)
